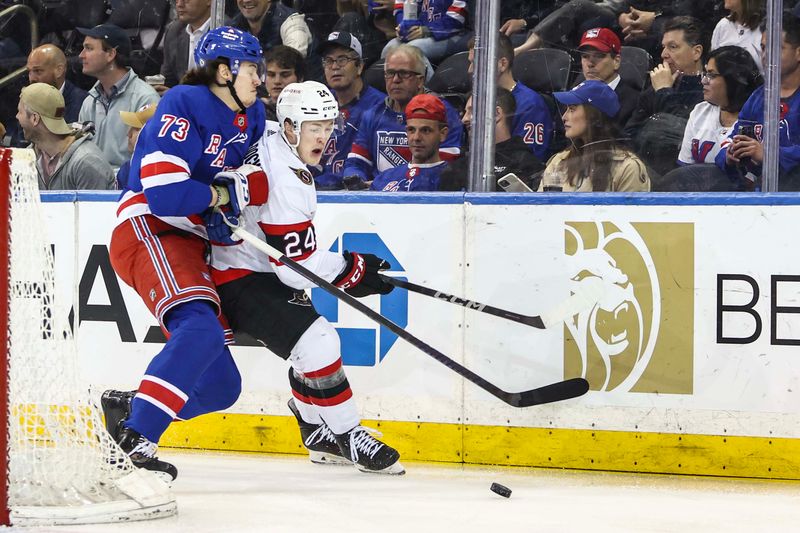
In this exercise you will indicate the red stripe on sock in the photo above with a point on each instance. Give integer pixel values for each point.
(162, 394)
(335, 400)
(325, 371)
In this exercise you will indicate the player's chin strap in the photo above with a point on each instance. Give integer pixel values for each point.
(297, 135)
(229, 85)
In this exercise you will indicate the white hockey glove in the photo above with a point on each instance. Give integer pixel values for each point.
(247, 185)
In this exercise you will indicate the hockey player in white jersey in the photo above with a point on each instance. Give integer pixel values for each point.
(266, 300)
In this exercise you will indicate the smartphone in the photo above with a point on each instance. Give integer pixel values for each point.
(748, 130)
(511, 183)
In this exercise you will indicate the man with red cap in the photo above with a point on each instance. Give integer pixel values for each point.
(600, 60)
(426, 129)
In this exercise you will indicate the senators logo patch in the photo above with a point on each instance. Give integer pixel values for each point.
(303, 175)
(300, 298)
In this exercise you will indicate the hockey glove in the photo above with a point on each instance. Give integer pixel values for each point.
(219, 233)
(354, 183)
(360, 275)
(247, 185)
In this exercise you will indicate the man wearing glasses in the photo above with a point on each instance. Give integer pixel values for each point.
(343, 64)
(381, 142)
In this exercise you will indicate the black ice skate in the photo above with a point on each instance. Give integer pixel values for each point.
(319, 440)
(116, 406)
(142, 453)
(368, 453)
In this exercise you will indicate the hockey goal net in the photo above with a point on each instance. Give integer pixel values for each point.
(61, 466)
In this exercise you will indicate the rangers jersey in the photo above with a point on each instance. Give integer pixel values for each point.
(335, 154)
(444, 18)
(285, 221)
(410, 177)
(381, 141)
(704, 135)
(752, 113)
(532, 120)
(192, 136)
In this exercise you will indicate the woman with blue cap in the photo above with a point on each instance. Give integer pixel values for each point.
(595, 159)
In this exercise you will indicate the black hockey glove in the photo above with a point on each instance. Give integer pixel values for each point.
(360, 275)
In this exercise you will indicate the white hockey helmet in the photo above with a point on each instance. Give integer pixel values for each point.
(306, 101)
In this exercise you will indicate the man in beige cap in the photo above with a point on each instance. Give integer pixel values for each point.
(64, 159)
(135, 120)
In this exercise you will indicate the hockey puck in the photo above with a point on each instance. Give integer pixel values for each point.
(502, 490)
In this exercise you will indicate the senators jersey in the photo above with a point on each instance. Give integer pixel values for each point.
(192, 136)
(285, 221)
(410, 177)
(381, 142)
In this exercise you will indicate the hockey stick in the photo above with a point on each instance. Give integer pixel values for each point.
(562, 390)
(583, 299)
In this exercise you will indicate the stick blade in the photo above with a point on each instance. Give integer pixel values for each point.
(555, 392)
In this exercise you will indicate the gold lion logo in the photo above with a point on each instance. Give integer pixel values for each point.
(619, 344)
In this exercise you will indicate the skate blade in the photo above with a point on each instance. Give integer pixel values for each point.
(322, 458)
(395, 469)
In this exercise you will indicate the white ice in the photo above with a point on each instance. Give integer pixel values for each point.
(225, 492)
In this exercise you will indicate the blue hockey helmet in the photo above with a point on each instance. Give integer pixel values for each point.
(230, 43)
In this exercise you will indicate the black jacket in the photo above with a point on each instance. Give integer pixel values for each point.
(73, 99)
(512, 155)
(678, 100)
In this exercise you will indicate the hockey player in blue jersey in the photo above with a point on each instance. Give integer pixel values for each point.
(179, 170)
(381, 141)
(343, 64)
(426, 128)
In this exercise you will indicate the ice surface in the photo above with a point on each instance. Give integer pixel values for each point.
(227, 492)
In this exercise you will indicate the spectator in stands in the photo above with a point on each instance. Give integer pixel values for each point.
(105, 53)
(729, 79)
(742, 160)
(357, 19)
(273, 23)
(595, 161)
(511, 154)
(182, 35)
(741, 27)
(659, 121)
(533, 120)
(48, 64)
(381, 141)
(640, 22)
(343, 65)
(600, 60)
(518, 16)
(135, 120)
(438, 30)
(426, 129)
(64, 161)
(284, 66)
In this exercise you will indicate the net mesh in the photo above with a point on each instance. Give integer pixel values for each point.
(59, 452)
